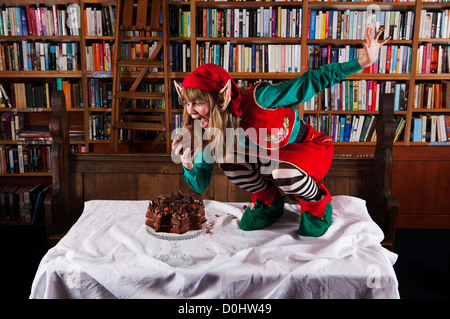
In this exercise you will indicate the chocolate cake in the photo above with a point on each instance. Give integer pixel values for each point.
(177, 213)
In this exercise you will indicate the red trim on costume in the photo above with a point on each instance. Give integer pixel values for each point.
(266, 196)
(316, 208)
(268, 128)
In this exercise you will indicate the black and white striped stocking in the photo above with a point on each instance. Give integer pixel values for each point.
(246, 174)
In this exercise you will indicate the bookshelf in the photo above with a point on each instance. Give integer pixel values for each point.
(28, 74)
(405, 42)
(189, 38)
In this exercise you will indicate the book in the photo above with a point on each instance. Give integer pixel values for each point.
(38, 211)
(400, 125)
(27, 56)
(30, 199)
(33, 131)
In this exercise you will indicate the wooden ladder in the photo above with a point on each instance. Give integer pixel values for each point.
(122, 118)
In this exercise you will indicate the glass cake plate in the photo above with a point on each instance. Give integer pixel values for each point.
(175, 257)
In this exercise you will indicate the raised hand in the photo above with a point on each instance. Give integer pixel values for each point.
(371, 46)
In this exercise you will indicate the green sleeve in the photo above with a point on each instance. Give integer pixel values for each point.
(295, 91)
(199, 177)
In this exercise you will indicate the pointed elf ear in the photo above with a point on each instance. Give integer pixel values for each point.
(226, 93)
(178, 88)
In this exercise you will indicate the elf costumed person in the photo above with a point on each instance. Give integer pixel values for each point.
(303, 155)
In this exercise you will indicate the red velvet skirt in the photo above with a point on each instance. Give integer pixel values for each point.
(312, 155)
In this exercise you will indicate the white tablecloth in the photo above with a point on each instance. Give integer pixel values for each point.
(108, 253)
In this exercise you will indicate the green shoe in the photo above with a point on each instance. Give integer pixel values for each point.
(313, 226)
(262, 215)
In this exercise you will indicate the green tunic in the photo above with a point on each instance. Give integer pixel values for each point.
(285, 94)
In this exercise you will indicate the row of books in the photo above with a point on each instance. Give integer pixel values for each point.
(322, 55)
(180, 57)
(430, 128)
(179, 22)
(23, 204)
(432, 95)
(13, 128)
(261, 22)
(39, 21)
(30, 95)
(362, 95)
(37, 94)
(11, 123)
(39, 56)
(100, 56)
(251, 58)
(100, 93)
(16, 159)
(343, 128)
(100, 126)
(76, 134)
(338, 97)
(100, 21)
(351, 25)
(73, 92)
(433, 59)
(391, 59)
(435, 24)
(351, 128)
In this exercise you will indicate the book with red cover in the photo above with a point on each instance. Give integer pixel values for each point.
(434, 59)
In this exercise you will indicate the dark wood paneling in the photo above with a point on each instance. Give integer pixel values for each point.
(422, 187)
(139, 179)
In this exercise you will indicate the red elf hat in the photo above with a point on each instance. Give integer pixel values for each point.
(212, 78)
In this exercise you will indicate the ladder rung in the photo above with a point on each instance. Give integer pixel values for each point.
(140, 126)
(139, 95)
(141, 117)
(141, 63)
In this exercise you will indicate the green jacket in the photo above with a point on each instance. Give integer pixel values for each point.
(285, 94)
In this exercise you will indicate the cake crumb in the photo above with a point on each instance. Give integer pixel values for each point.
(232, 216)
(209, 225)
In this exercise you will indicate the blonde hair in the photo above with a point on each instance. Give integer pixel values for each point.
(218, 118)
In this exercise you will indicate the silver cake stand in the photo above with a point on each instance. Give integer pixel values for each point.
(175, 257)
